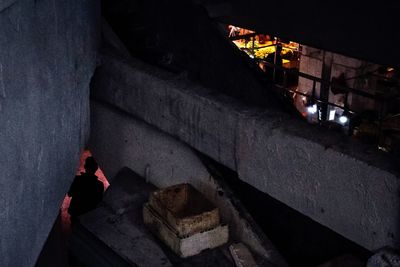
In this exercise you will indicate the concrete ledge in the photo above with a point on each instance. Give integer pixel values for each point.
(344, 185)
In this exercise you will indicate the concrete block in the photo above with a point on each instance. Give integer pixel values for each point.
(184, 246)
(343, 184)
(185, 209)
(164, 161)
(183, 219)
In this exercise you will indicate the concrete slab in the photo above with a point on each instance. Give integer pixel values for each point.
(114, 234)
(117, 223)
(340, 183)
(119, 140)
(121, 235)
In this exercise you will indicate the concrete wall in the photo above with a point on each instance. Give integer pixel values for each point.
(6, 3)
(346, 186)
(47, 57)
(119, 140)
(312, 61)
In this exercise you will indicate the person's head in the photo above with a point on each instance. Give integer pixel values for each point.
(91, 165)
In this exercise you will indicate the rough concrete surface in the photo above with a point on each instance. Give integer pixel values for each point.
(47, 57)
(129, 241)
(119, 140)
(184, 209)
(114, 231)
(346, 186)
(116, 228)
(385, 257)
(184, 246)
(6, 3)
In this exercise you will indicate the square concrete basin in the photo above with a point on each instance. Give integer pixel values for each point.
(184, 209)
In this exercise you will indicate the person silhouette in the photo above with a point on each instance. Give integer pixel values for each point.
(86, 190)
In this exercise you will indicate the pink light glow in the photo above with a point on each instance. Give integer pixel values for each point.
(65, 218)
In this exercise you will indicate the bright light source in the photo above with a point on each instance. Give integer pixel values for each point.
(343, 119)
(251, 56)
(332, 115)
(312, 109)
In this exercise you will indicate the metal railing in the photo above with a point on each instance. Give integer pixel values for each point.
(324, 104)
(283, 84)
(347, 90)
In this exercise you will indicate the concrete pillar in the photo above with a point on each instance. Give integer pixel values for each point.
(48, 54)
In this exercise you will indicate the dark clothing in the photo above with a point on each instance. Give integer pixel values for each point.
(86, 192)
(270, 70)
